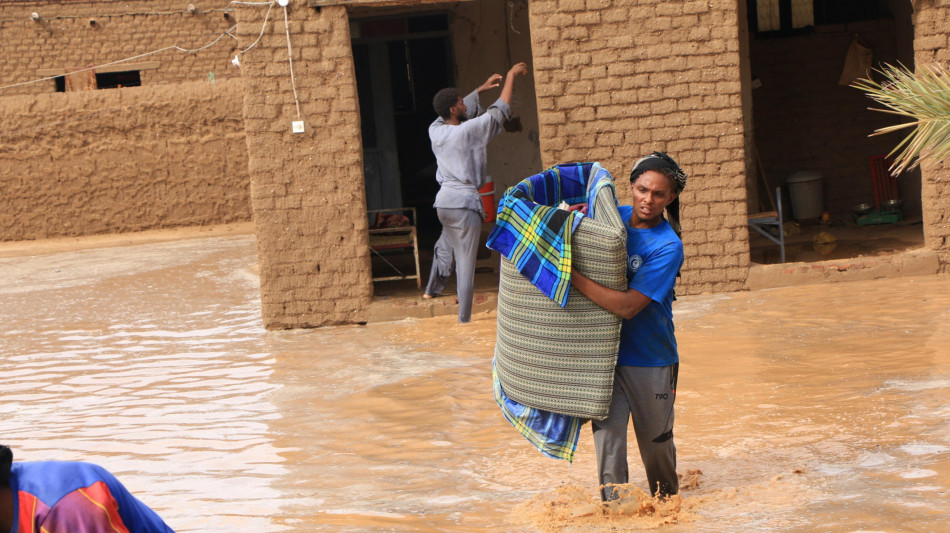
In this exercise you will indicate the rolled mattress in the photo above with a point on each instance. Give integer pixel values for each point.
(562, 359)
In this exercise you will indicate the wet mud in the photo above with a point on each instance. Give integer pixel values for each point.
(820, 407)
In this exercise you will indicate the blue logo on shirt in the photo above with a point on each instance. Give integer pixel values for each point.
(633, 263)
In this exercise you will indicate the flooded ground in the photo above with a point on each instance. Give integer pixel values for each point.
(814, 408)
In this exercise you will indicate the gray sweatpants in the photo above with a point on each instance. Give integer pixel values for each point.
(462, 229)
(442, 263)
(647, 394)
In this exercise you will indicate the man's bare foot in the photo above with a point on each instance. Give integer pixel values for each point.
(427, 296)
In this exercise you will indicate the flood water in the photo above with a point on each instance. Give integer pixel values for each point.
(812, 408)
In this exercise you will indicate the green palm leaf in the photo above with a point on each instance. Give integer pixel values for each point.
(924, 98)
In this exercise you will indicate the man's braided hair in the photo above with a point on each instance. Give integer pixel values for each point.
(663, 163)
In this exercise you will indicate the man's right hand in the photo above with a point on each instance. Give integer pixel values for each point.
(508, 89)
(518, 69)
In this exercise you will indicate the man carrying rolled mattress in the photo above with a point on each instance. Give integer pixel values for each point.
(648, 361)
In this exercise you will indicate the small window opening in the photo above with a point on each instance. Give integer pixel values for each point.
(113, 80)
(107, 80)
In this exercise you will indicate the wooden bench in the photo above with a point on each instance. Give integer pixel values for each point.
(401, 239)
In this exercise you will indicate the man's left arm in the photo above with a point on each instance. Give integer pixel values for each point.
(655, 277)
(625, 304)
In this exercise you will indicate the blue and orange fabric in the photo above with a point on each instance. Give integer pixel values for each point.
(532, 233)
(61, 496)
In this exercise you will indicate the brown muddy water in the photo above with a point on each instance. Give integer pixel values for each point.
(813, 408)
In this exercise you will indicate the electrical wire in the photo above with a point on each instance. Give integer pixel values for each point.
(146, 54)
(290, 59)
(167, 48)
(270, 5)
(511, 23)
(263, 26)
(118, 15)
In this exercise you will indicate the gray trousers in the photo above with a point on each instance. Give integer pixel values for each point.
(462, 228)
(442, 266)
(647, 394)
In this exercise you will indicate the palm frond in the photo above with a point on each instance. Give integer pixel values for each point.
(923, 97)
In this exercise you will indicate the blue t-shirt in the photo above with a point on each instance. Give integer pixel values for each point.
(654, 256)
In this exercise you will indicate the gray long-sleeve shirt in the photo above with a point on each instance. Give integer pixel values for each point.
(461, 156)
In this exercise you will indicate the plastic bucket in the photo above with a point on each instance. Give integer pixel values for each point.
(488, 200)
(805, 194)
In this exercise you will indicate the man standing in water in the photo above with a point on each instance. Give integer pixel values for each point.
(459, 140)
(648, 361)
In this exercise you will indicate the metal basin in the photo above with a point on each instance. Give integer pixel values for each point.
(893, 204)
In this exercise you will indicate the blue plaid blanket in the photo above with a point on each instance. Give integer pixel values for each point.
(531, 232)
(552, 434)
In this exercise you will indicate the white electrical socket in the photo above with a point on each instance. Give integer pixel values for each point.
(297, 126)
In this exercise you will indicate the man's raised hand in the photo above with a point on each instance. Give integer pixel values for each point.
(518, 69)
(508, 90)
(493, 81)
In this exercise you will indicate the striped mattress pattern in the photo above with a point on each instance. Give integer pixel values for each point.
(562, 359)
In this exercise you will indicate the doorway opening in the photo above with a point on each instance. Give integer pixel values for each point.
(811, 128)
(401, 61)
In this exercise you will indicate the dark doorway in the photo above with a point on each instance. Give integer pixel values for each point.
(401, 62)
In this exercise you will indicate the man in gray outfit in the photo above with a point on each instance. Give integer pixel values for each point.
(459, 139)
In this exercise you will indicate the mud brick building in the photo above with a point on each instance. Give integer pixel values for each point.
(743, 93)
(160, 145)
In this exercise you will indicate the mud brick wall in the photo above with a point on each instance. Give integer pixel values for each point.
(617, 79)
(932, 44)
(122, 160)
(483, 45)
(307, 189)
(65, 39)
(805, 120)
